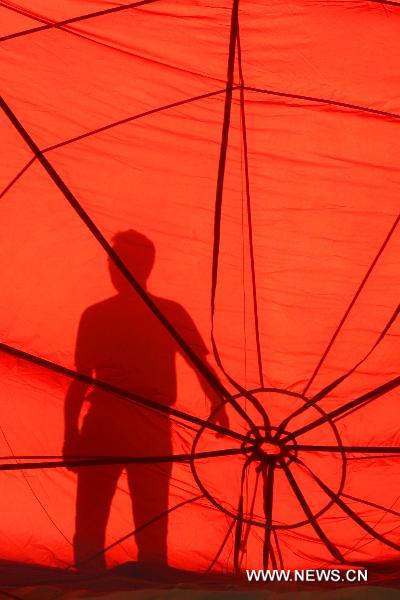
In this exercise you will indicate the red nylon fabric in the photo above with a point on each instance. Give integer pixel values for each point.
(241, 160)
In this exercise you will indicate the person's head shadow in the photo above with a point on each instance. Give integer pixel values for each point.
(137, 252)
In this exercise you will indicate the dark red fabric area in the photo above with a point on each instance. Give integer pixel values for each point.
(200, 234)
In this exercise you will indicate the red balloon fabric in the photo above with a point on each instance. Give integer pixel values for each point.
(200, 286)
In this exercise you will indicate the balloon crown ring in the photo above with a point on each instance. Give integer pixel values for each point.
(266, 445)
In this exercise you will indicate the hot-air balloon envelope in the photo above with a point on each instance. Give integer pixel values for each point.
(200, 286)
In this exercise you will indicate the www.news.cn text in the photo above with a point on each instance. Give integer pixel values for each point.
(307, 575)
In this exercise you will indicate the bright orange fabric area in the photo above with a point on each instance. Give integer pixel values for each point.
(131, 110)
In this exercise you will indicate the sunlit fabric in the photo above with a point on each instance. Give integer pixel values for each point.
(200, 286)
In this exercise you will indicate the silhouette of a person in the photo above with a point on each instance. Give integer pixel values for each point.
(121, 342)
